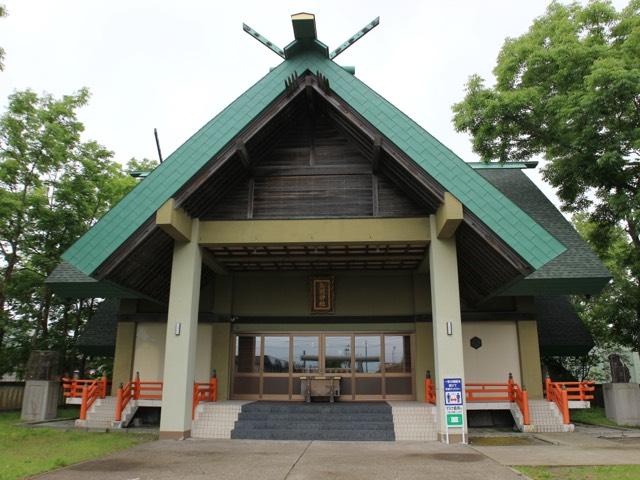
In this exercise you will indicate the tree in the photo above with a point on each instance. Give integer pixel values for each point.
(3, 13)
(53, 188)
(569, 89)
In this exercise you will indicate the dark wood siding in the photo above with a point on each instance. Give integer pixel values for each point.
(312, 171)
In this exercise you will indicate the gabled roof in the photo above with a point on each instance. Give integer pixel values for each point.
(525, 236)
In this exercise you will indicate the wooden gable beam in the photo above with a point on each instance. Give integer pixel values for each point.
(377, 153)
(174, 221)
(448, 217)
(243, 153)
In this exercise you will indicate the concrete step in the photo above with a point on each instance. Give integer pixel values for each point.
(316, 425)
(362, 435)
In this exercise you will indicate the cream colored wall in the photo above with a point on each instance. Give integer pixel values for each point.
(149, 351)
(424, 356)
(203, 352)
(498, 355)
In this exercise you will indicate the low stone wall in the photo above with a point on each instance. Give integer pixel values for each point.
(11, 394)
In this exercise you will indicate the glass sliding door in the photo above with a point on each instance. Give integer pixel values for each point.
(372, 366)
(305, 359)
(275, 366)
(368, 371)
(246, 365)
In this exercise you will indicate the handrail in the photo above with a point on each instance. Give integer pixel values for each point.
(125, 393)
(204, 392)
(557, 392)
(429, 390)
(90, 393)
(136, 390)
(487, 392)
(73, 387)
(89, 390)
(582, 391)
(521, 398)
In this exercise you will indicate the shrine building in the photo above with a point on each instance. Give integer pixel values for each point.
(313, 238)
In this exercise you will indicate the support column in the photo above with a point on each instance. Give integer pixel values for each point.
(182, 331)
(445, 309)
(530, 366)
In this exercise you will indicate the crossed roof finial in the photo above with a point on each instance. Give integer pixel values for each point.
(304, 30)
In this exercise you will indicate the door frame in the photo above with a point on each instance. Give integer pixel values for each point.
(321, 335)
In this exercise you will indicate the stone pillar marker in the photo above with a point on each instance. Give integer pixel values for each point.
(445, 306)
(182, 330)
(42, 386)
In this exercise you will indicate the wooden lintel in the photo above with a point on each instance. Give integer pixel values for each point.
(174, 221)
(377, 153)
(315, 231)
(210, 261)
(448, 217)
(243, 153)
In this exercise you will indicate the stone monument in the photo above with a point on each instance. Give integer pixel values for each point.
(621, 398)
(42, 386)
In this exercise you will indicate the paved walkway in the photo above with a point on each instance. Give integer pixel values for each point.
(597, 446)
(292, 460)
(280, 460)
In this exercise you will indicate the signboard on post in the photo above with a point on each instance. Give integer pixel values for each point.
(453, 405)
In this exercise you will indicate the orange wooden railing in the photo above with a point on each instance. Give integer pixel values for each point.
(562, 392)
(429, 389)
(73, 387)
(575, 390)
(487, 392)
(556, 392)
(136, 390)
(88, 390)
(521, 397)
(204, 392)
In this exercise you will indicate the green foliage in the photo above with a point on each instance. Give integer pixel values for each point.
(53, 188)
(3, 13)
(569, 89)
(28, 451)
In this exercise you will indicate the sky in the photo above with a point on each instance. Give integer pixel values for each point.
(174, 65)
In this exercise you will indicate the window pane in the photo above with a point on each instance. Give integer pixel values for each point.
(337, 355)
(305, 354)
(397, 353)
(276, 354)
(247, 354)
(368, 350)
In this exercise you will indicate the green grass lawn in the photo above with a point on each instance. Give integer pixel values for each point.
(593, 416)
(27, 451)
(609, 472)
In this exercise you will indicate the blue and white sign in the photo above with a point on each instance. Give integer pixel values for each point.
(453, 391)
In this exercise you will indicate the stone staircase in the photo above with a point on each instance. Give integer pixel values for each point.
(102, 413)
(544, 416)
(216, 420)
(414, 421)
(338, 421)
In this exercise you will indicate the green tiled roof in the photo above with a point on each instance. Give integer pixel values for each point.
(516, 228)
(578, 270)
